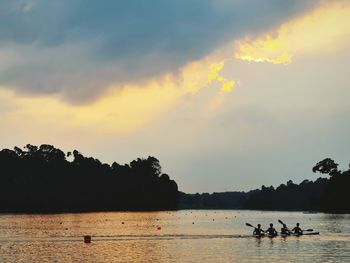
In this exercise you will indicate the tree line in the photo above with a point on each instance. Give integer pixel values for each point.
(43, 179)
(46, 179)
(324, 194)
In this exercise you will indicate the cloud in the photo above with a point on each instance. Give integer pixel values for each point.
(227, 85)
(78, 49)
(121, 110)
(276, 123)
(319, 31)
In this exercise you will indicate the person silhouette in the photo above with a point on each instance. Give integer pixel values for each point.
(258, 231)
(285, 230)
(271, 231)
(297, 230)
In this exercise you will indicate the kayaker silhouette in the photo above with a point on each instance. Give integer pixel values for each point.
(285, 230)
(271, 230)
(258, 231)
(297, 230)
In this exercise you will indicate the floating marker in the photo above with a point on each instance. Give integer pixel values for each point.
(87, 239)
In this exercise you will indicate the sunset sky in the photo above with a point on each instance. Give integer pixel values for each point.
(227, 94)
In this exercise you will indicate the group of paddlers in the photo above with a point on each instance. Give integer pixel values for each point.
(271, 231)
(285, 231)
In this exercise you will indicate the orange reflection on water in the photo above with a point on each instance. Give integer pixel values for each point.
(184, 236)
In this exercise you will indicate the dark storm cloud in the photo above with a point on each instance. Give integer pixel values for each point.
(78, 47)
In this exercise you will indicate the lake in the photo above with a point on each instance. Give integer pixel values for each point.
(178, 236)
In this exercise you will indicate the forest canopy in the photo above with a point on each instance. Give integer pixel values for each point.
(323, 194)
(42, 179)
(45, 179)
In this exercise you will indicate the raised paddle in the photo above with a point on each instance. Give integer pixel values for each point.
(280, 221)
(250, 225)
(247, 224)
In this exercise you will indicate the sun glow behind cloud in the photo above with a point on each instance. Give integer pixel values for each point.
(215, 68)
(126, 109)
(121, 109)
(185, 115)
(319, 31)
(118, 112)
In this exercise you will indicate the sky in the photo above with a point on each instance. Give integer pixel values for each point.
(228, 94)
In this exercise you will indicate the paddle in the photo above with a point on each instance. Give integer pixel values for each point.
(282, 223)
(250, 225)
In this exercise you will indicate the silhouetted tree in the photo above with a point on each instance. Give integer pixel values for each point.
(326, 166)
(336, 197)
(289, 196)
(328, 195)
(226, 200)
(41, 179)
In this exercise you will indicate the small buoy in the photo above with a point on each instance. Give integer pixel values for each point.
(87, 239)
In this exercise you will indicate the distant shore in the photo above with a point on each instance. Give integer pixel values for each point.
(41, 179)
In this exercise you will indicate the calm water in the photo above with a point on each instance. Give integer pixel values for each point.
(185, 236)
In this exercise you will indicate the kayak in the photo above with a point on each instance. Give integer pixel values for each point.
(264, 235)
(271, 236)
(304, 234)
(285, 235)
(308, 234)
(260, 236)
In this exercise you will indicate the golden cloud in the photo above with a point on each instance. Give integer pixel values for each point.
(120, 110)
(322, 30)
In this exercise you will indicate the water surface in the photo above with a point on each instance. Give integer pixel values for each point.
(179, 236)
